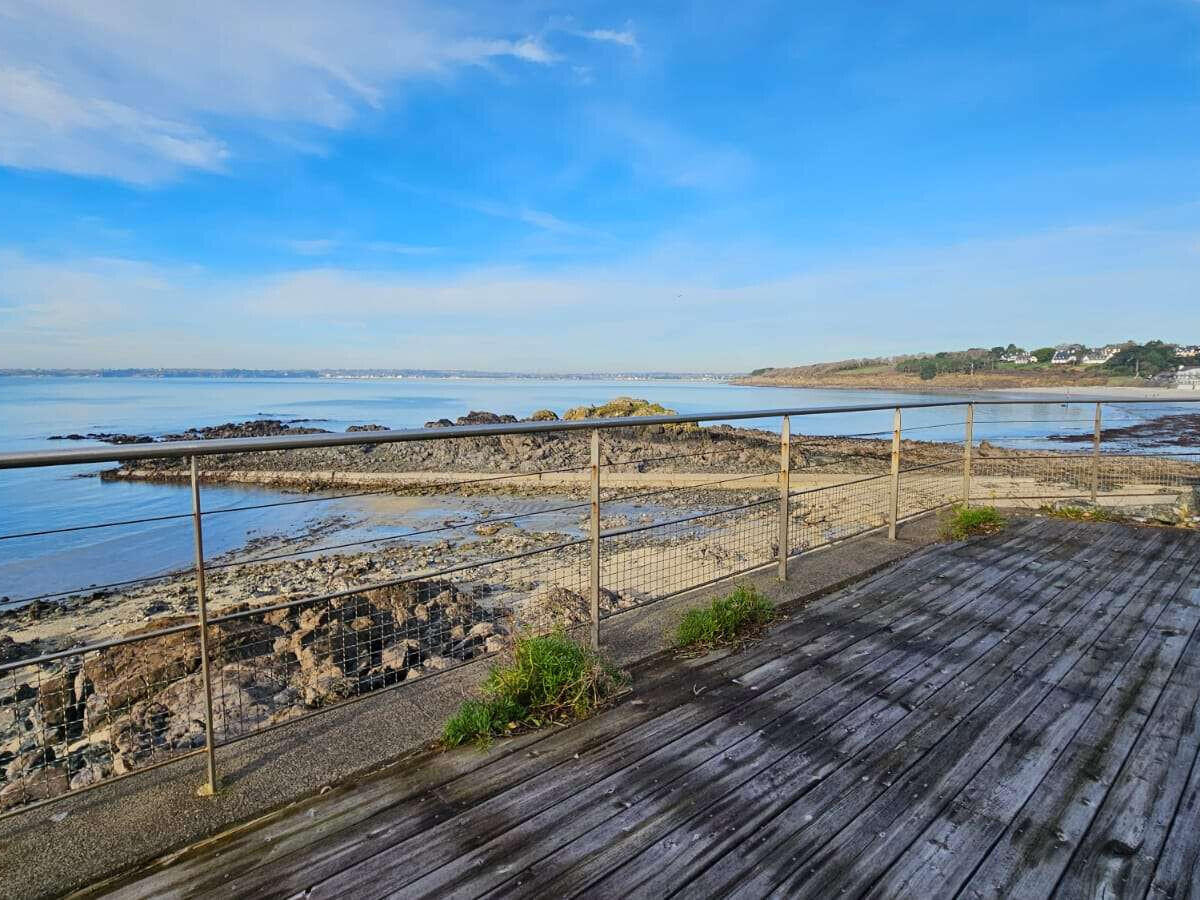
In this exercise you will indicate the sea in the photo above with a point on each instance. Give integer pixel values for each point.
(39, 559)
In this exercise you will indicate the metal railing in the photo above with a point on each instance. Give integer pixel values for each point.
(215, 672)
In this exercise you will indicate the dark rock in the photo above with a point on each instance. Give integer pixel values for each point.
(12, 650)
(482, 417)
(252, 428)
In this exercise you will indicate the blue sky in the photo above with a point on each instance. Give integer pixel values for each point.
(592, 186)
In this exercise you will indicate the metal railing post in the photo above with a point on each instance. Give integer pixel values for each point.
(202, 607)
(785, 488)
(894, 517)
(1096, 456)
(594, 540)
(968, 438)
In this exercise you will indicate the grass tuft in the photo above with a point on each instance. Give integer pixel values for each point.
(1080, 513)
(726, 620)
(549, 678)
(969, 521)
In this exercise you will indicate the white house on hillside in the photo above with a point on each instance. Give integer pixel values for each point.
(1100, 356)
(1188, 352)
(1064, 357)
(1020, 359)
(1188, 379)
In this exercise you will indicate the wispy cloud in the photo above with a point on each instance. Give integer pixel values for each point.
(1083, 283)
(401, 249)
(45, 126)
(330, 245)
(625, 38)
(528, 49)
(142, 92)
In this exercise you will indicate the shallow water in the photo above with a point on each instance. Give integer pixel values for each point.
(31, 409)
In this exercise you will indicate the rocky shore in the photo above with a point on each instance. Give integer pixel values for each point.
(1164, 431)
(275, 653)
(646, 450)
(278, 651)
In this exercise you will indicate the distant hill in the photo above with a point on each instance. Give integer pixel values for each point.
(1067, 365)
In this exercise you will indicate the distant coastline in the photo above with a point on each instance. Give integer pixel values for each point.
(977, 384)
(365, 374)
(952, 383)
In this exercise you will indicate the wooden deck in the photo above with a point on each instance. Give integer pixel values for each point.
(1012, 717)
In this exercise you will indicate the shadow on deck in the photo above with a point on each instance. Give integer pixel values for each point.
(1014, 716)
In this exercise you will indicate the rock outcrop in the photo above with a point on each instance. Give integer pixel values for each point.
(126, 705)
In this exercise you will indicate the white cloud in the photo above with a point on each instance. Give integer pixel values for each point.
(1088, 284)
(401, 249)
(537, 218)
(143, 90)
(529, 49)
(625, 38)
(42, 126)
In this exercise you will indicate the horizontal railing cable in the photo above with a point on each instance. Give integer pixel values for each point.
(317, 499)
(687, 487)
(635, 529)
(296, 601)
(275, 557)
(888, 432)
(220, 446)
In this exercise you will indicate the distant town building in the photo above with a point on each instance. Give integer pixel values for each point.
(1064, 357)
(1020, 359)
(1188, 379)
(1188, 352)
(1100, 356)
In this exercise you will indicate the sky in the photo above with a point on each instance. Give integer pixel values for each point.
(704, 186)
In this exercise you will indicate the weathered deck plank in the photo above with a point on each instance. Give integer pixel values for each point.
(600, 793)
(912, 777)
(1102, 695)
(898, 738)
(1125, 839)
(410, 830)
(720, 796)
(1036, 846)
(468, 776)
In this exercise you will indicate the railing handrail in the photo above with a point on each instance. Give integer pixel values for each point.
(183, 449)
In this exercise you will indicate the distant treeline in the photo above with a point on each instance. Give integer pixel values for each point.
(1128, 358)
(1131, 359)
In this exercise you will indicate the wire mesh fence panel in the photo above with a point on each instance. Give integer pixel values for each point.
(1031, 476)
(75, 720)
(300, 657)
(1148, 475)
(646, 564)
(80, 719)
(825, 515)
(367, 592)
(314, 654)
(1121, 478)
(929, 487)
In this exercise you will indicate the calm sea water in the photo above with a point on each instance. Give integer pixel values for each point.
(31, 409)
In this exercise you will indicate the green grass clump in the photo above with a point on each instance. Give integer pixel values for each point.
(725, 620)
(549, 678)
(968, 521)
(1080, 513)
